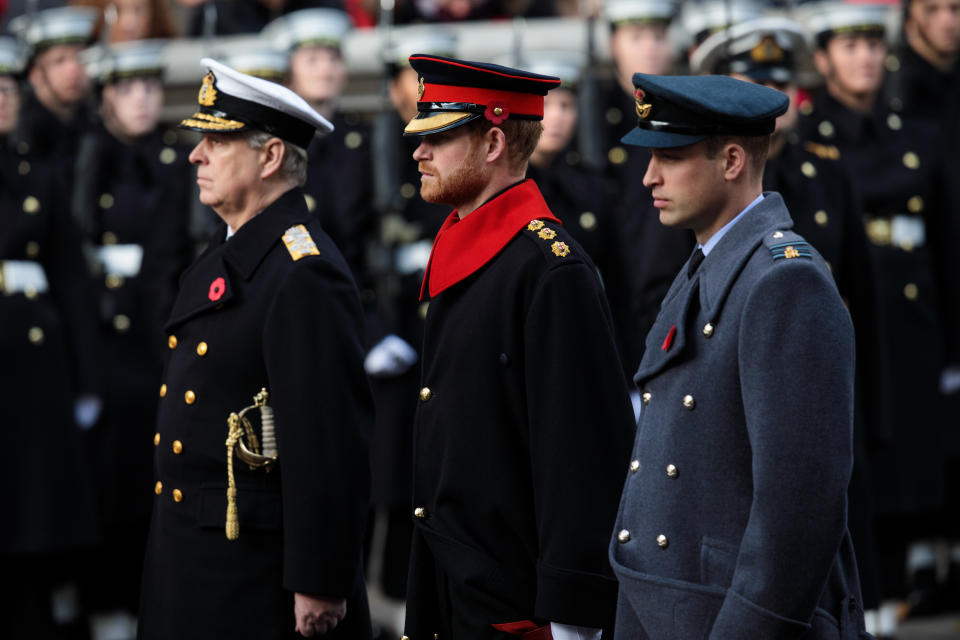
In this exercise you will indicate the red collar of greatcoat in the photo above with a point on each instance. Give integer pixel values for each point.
(463, 246)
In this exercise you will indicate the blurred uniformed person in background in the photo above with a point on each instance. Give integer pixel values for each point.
(339, 188)
(131, 197)
(523, 422)
(263, 538)
(53, 114)
(733, 519)
(49, 377)
(898, 166)
(819, 195)
(407, 226)
(640, 41)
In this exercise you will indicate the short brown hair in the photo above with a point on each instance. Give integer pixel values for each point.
(757, 148)
(521, 136)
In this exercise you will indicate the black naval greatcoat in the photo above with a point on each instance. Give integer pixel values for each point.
(650, 252)
(732, 522)
(339, 187)
(898, 167)
(48, 356)
(273, 307)
(522, 429)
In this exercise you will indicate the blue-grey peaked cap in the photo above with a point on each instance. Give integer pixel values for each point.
(674, 111)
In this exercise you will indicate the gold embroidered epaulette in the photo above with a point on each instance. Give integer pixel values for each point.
(299, 243)
(559, 249)
(825, 151)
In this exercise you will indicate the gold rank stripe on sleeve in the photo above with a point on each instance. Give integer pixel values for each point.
(299, 242)
(825, 151)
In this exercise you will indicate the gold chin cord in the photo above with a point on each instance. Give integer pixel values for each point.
(242, 440)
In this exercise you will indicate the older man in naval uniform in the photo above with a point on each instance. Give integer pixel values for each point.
(732, 521)
(237, 548)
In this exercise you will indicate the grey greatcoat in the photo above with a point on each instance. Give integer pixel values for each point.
(732, 522)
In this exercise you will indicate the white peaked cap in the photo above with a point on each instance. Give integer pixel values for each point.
(625, 11)
(831, 16)
(231, 101)
(713, 15)
(133, 59)
(308, 27)
(62, 25)
(744, 36)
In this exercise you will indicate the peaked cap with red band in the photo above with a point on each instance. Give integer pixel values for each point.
(454, 92)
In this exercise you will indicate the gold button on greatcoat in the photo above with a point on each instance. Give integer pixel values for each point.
(121, 323)
(172, 342)
(826, 129)
(689, 402)
(672, 471)
(108, 237)
(894, 122)
(35, 335)
(177, 495)
(910, 291)
(911, 160)
(113, 281)
(662, 541)
(31, 205)
(915, 204)
(158, 488)
(808, 169)
(177, 447)
(820, 217)
(106, 201)
(420, 513)
(708, 329)
(189, 397)
(163, 390)
(33, 249)
(588, 220)
(623, 536)
(634, 466)
(426, 394)
(646, 397)
(202, 349)
(156, 439)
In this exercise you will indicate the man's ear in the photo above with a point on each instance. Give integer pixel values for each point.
(822, 63)
(272, 154)
(496, 144)
(735, 161)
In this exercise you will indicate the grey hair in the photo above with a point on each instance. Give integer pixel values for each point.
(294, 166)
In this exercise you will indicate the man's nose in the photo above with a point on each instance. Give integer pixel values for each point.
(652, 175)
(196, 156)
(421, 153)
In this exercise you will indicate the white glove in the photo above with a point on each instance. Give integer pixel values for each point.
(950, 380)
(86, 410)
(567, 632)
(390, 357)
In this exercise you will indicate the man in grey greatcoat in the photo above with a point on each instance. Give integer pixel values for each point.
(732, 521)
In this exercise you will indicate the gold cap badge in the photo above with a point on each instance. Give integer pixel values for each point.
(420, 89)
(643, 108)
(767, 50)
(208, 92)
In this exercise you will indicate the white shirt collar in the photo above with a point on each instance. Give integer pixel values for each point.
(715, 238)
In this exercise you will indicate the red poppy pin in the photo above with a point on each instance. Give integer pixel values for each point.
(496, 112)
(217, 288)
(669, 339)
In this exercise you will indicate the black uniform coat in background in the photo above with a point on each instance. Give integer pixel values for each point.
(522, 431)
(732, 522)
(48, 355)
(251, 315)
(908, 195)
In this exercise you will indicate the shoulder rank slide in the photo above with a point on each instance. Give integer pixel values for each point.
(299, 243)
(788, 250)
(824, 151)
(559, 248)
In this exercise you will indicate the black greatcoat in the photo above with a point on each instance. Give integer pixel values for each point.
(522, 432)
(257, 311)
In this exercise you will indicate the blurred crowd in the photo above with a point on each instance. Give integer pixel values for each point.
(99, 218)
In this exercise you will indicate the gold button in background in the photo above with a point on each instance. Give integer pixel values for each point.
(911, 160)
(426, 394)
(163, 390)
(820, 217)
(177, 447)
(158, 488)
(172, 342)
(33, 249)
(202, 349)
(808, 169)
(826, 129)
(106, 201)
(177, 495)
(156, 439)
(190, 397)
(35, 335)
(108, 237)
(911, 291)
(915, 204)
(588, 220)
(121, 323)
(113, 281)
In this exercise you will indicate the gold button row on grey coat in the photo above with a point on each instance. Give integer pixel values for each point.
(623, 537)
(688, 400)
